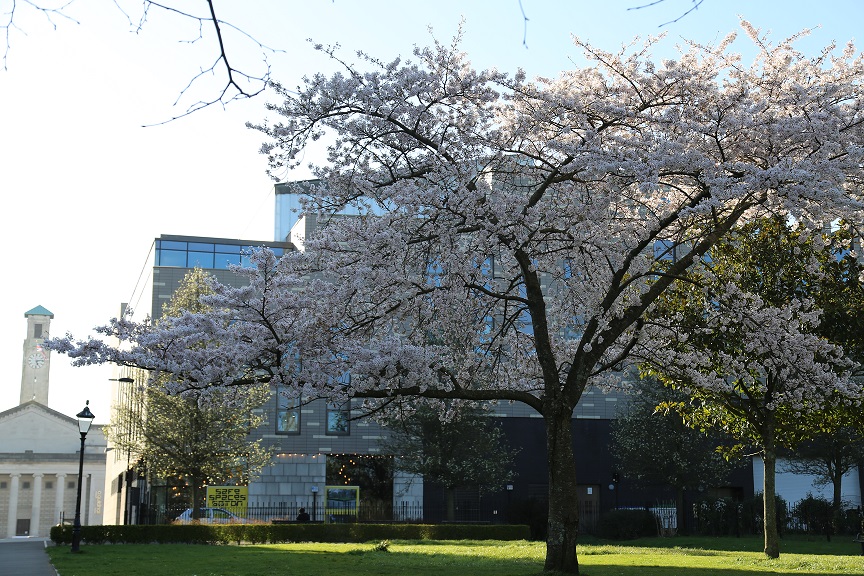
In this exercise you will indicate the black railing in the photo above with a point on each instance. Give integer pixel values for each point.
(729, 517)
(404, 512)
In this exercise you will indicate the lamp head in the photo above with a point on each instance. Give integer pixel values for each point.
(85, 419)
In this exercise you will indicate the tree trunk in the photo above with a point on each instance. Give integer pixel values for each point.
(450, 500)
(563, 495)
(196, 505)
(772, 537)
(835, 525)
(837, 499)
(679, 511)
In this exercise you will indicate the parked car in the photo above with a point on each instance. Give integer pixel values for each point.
(211, 516)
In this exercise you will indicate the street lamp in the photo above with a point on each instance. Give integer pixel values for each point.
(616, 478)
(85, 419)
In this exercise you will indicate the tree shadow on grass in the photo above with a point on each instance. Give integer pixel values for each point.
(640, 570)
(796, 544)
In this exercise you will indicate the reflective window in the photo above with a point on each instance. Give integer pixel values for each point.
(287, 413)
(200, 259)
(205, 255)
(172, 258)
(223, 261)
(338, 419)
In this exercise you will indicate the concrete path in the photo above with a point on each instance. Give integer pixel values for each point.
(25, 557)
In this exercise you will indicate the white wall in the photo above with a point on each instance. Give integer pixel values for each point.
(795, 487)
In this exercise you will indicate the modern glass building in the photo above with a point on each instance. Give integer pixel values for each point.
(177, 255)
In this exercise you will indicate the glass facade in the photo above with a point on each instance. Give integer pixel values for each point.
(207, 255)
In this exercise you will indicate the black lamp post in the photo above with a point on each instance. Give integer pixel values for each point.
(85, 419)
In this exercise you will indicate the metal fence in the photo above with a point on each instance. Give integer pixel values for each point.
(728, 517)
(399, 512)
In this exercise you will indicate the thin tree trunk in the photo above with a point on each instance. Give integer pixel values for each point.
(196, 505)
(834, 526)
(450, 499)
(563, 524)
(772, 537)
(679, 511)
(837, 500)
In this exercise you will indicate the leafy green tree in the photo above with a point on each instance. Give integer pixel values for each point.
(200, 437)
(835, 449)
(655, 447)
(453, 444)
(745, 344)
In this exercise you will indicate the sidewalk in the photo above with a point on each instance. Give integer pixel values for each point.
(25, 557)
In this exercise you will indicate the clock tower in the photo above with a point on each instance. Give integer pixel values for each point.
(37, 360)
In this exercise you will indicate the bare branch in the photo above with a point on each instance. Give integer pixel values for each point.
(696, 4)
(9, 24)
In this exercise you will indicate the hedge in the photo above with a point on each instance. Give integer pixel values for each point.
(626, 525)
(277, 533)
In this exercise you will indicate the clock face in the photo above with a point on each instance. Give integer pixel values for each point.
(36, 360)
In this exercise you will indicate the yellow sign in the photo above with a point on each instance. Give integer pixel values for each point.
(231, 498)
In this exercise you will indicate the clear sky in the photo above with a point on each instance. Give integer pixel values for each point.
(85, 188)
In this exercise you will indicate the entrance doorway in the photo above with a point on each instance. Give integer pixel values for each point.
(589, 507)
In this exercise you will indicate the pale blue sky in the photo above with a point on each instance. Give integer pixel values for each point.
(86, 188)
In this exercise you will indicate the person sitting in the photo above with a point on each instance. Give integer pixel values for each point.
(302, 515)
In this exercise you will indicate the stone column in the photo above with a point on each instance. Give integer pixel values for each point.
(58, 502)
(12, 520)
(36, 507)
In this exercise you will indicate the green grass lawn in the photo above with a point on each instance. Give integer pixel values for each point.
(646, 557)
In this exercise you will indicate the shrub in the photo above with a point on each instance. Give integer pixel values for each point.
(626, 525)
(758, 512)
(533, 512)
(719, 516)
(275, 533)
(814, 514)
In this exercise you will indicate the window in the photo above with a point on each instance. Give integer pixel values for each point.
(200, 260)
(70, 485)
(25, 485)
(338, 419)
(37, 330)
(208, 255)
(223, 261)
(221, 516)
(287, 413)
(228, 248)
(49, 485)
(176, 258)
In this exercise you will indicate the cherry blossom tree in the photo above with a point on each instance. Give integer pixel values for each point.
(506, 247)
(746, 343)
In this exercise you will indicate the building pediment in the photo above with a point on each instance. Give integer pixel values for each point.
(35, 427)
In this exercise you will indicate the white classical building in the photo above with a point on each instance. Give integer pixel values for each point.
(40, 452)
